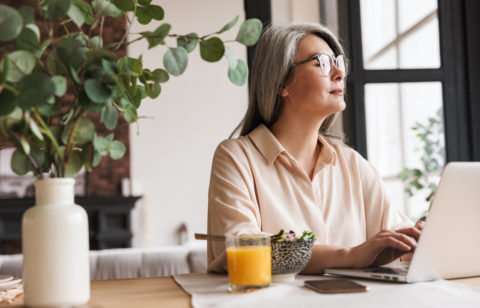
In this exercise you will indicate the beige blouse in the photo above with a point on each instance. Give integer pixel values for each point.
(256, 185)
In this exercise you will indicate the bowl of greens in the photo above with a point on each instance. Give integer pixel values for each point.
(290, 253)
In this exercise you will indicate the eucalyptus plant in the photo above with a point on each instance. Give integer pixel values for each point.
(51, 84)
(432, 158)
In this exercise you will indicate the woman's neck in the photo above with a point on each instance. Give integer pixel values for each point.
(300, 139)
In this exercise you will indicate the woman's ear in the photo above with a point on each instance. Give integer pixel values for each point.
(283, 92)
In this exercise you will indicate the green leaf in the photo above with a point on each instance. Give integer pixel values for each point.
(143, 17)
(130, 114)
(188, 42)
(74, 164)
(97, 92)
(20, 64)
(19, 163)
(10, 22)
(153, 89)
(175, 60)
(40, 157)
(73, 74)
(8, 102)
(49, 110)
(56, 8)
(160, 76)
(96, 42)
(232, 59)
(35, 89)
(87, 104)
(86, 10)
(71, 51)
(117, 150)
(27, 13)
(84, 132)
(60, 85)
(35, 130)
(212, 50)
(238, 75)
(40, 50)
(106, 8)
(101, 145)
(11, 119)
(54, 65)
(97, 158)
(229, 25)
(97, 55)
(109, 67)
(76, 14)
(25, 145)
(27, 40)
(144, 2)
(109, 117)
(249, 32)
(157, 37)
(125, 5)
(155, 12)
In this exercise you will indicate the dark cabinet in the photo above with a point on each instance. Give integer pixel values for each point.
(108, 221)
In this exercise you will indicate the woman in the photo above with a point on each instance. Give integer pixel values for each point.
(288, 170)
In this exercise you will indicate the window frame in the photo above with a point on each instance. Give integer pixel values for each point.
(462, 134)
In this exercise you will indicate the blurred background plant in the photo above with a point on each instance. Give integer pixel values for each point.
(52, 78)
(430, 135)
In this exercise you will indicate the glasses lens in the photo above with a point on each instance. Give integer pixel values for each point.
(325, 64)
(341, 63)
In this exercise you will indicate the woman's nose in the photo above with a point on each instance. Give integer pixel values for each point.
(337, 74)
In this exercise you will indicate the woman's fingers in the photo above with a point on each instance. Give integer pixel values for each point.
(419, 225)
(412, 232)
(393, 242)
(391, 239)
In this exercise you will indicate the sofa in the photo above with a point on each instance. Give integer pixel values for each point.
(132, 262)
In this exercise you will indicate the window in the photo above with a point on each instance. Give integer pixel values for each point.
(408, 104)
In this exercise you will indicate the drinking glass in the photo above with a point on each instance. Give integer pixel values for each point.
(249, 260)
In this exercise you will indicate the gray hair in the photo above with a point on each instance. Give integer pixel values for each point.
(272, 66)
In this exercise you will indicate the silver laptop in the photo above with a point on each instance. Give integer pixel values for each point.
(449, 246)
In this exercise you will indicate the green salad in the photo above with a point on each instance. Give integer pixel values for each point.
(283, 236)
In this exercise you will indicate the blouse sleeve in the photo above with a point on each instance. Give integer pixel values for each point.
(232, 205)
(379, 212)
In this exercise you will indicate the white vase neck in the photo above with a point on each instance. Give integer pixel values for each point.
(55, 191)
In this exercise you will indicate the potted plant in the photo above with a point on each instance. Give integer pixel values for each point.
(55, 73)
(425, 178)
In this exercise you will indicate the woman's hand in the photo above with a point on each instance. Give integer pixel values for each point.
(385, 247)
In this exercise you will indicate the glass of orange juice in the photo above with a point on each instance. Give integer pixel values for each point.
(249, 260)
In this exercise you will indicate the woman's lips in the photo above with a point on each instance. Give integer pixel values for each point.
(337, 92)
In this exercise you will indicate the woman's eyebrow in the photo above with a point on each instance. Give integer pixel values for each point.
(320, 52)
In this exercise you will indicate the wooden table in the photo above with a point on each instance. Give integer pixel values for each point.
(151, 292)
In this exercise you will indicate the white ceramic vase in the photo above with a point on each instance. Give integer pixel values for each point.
(55, 247)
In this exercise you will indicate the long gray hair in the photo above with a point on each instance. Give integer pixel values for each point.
(272, 66)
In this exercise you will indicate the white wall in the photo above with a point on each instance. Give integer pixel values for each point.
(171, 156)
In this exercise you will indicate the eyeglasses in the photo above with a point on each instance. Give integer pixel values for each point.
(325, 62)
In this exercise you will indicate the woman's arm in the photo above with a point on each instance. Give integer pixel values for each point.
(383, 248)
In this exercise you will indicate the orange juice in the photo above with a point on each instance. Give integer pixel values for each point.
(249, 265)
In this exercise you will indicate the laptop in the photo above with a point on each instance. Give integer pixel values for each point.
(449, 246)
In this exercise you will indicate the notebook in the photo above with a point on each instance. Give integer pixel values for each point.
(449, 246)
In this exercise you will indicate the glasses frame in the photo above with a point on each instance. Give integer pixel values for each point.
(333, 61)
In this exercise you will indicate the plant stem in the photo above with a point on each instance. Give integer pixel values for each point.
(36, 167)
(10, 88)
(47, 132)
(69, 146)
(101, 27)
(128, 29)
